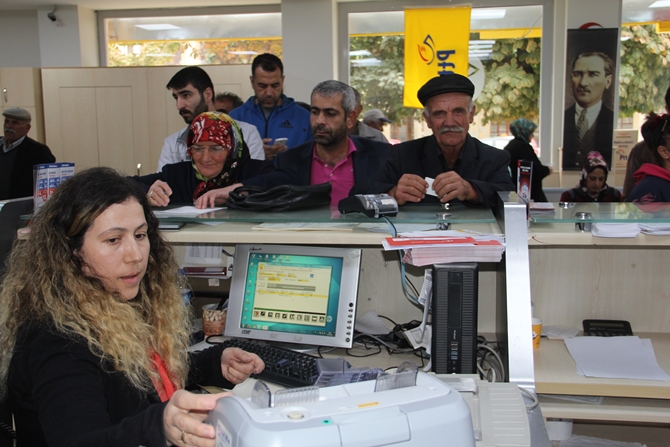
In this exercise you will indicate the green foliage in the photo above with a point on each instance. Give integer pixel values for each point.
(643, 73)
(381, 86)
(512, 85)
(154, 53)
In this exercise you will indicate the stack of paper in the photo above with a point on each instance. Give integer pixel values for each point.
(615, 229)
(658, 229)
(424, 250)
(541, 208)
(615, 358)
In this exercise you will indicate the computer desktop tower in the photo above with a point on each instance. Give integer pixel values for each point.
(454, 318)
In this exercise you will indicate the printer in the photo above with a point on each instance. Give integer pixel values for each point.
(421, 412)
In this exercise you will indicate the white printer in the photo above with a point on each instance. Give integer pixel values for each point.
(423, 412)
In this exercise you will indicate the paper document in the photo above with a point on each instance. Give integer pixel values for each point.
(615, 229)
(306, 226)
(615, 358)
(209, 254)
(184, 211)
(430, 191)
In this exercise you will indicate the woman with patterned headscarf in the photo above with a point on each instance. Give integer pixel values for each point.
(520, 149)
(219, 158)
(593, 183)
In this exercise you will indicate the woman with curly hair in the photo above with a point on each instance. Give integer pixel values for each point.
(93, 331)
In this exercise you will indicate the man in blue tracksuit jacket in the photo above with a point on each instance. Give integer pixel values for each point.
(274, 114)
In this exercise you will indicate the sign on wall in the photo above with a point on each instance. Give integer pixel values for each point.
(436, 43)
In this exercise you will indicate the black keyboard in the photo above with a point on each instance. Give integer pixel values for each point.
(282, 366)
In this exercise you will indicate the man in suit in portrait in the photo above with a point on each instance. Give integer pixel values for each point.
(588, 124)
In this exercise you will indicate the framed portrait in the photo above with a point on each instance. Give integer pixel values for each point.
(590, 80)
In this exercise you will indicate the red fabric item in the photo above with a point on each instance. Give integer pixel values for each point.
(648, 169)
(165, 388)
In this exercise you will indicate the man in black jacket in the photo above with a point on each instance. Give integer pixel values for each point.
(19, 154)
(333, 156)
(458, 166)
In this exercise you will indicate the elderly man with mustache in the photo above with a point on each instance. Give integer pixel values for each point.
(460, 167)
(19, 154)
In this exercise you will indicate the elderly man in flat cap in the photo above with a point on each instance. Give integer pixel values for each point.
(462, 168)
(19, 154)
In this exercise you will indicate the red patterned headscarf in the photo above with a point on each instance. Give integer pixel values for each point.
(223, 130)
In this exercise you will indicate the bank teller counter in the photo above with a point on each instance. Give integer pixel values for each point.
(575, 276)
(504, 287)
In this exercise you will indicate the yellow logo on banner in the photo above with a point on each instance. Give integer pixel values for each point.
(436, 43)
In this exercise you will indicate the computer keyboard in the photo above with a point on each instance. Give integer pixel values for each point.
(282, 366)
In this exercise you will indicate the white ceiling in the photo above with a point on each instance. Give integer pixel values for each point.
(633, 10)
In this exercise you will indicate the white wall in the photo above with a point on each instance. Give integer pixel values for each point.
(309, 45)
(19, 38)
(60, 45)
(88, 37)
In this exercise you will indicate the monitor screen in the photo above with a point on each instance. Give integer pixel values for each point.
(294, 294)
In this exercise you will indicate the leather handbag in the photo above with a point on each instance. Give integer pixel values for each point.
(280, 198)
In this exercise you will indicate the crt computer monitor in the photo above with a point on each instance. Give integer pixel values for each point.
(294, 294)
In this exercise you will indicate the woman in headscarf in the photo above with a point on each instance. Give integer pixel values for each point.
(520, 149)
(652, 180)
(592, 183)
(219, 158)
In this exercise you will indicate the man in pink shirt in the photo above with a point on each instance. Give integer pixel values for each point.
(333, 156)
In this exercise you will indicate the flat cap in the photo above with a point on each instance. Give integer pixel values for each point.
(451, 83)
(17, 114)
(375, 115)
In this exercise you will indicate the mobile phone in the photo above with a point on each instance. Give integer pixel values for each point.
(281, 141)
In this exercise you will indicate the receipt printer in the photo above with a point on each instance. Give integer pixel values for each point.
(362, 414)
(372, 205)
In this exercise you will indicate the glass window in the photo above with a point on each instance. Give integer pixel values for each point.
(192, 40)
(505, 45)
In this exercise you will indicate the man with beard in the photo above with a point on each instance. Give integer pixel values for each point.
(588, 123)
(193, 92)
(333, 156)
(19, 154)
(275, 115)
(460, 167)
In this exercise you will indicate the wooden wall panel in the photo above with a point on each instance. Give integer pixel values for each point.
(77, 128)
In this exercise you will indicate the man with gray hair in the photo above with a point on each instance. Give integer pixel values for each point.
(19, 154)
(448, 165)
(360, 128)
(333, 156)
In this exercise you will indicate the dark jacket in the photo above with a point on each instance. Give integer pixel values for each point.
(578, 195)
(60, 391)
(485, 167)
(639, 155)
(652, 185)
(597, 138)
(181, 178)
(518, 149)
(287, 120)
(294, 167)
(30, 152)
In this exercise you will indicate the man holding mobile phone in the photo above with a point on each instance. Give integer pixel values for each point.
(281, 122)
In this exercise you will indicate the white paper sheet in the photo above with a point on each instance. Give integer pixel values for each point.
(430, 191)
(207, 254)
(184, 211)
(615, 358)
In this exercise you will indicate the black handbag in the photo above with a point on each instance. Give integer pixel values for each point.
(279, 198)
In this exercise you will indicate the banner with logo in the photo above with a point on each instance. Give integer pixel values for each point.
(436, 43)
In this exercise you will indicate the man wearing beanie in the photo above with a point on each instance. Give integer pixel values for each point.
(463, 168)
(19, 153)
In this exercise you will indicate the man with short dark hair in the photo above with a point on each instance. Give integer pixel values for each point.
(589, 123)
(459, 166)
(193, 91)
(275, 115)
(19, 154)
(333, 156)
(362, 129)
(227, 101)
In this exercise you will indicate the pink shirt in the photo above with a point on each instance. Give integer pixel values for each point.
(341, 176)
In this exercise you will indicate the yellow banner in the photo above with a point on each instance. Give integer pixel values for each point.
(436, 43)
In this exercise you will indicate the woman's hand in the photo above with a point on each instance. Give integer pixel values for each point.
(215, 197)
(159, 193)
(183, 419)
(237, 365)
